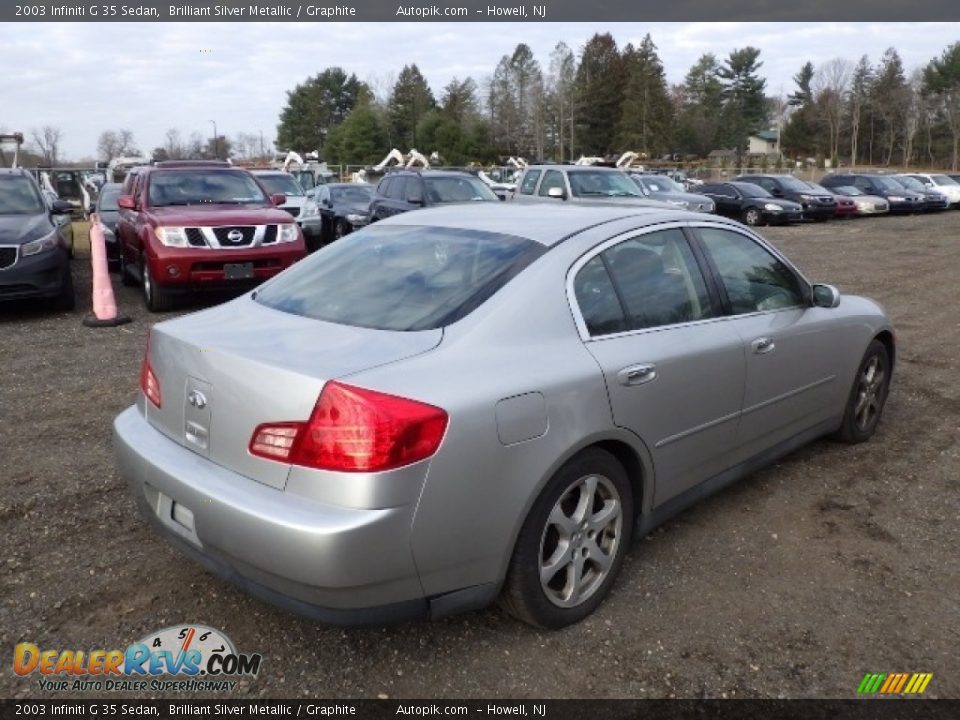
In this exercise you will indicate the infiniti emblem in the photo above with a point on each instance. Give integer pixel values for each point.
(197, 399)
(234, 236)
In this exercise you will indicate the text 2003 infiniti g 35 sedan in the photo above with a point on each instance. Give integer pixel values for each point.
(464, 403)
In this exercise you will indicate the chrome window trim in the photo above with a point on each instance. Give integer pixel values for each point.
(578, 265)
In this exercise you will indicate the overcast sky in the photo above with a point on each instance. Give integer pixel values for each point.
(88, 77)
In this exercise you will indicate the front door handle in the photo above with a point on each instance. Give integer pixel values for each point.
(637, 374)
(762, 345)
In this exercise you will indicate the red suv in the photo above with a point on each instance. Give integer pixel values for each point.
(186, 226)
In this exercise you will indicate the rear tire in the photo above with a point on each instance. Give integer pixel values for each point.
(867, 396)
(125, 277)
(572, 544)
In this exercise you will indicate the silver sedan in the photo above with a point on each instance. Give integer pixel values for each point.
(463, 404)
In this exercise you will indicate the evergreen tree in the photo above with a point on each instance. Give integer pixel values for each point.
(360, 138)
(744, 102)
(941, 81)
(599, 94)
(646, 116)
(410, 100)
(314, 108)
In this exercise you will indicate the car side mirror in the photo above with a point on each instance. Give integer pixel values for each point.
(557, 193)
(825, 296)
(61, 207)
(126, 202)
(278, 199)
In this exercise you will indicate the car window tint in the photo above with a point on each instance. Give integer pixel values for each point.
(754, 278)
(455, 189)
(767, 184)
(398, 189)
(552, 179)
(658, 280)
(597, 300)
(384, 187)
(529, 183)
(413, 190)
(401, 277)
(18, 196)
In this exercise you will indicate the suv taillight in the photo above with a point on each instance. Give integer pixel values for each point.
(353, 429)
(148, 379)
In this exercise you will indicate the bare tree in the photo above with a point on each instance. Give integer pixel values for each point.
(116, 143)
(48, 140)
(829, 87)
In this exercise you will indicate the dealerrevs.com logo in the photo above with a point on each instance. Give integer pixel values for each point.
(181, 658)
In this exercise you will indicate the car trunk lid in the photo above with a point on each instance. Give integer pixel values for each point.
(224, 371)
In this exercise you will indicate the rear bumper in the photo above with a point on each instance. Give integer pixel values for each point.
(337, 564)
(37, 276)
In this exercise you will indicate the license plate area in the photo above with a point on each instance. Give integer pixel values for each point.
(238, 271)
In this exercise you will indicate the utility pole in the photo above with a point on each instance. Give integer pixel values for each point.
(216, 140)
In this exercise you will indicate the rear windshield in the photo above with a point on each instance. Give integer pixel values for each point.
(108, 198)
(204, 187)
(361, 194)
(18, 196)
(400, 277)
(280, 184)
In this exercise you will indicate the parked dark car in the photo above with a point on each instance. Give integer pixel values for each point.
(846, 207)
(901, 200)
(816, 206)
(108, 211)
(335, 210)
(192, 225)
(933, 200)
(34, 246)
(404, 190)
(750, 203)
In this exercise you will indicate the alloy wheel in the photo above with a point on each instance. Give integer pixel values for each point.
(870, 392)
(580, 540)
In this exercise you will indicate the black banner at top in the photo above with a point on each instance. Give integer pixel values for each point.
(323, 11)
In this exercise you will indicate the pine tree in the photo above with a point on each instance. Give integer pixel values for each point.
(314, 108)
(599, 95)
(646, 115)
(410, 100)
(745, 106)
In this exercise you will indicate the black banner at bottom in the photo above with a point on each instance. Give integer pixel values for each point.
(866, 709)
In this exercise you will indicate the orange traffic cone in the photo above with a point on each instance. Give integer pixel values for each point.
(105, 313)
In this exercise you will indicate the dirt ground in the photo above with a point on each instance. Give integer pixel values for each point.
(795, 582)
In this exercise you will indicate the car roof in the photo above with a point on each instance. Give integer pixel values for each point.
(558, 166)
(544, 223)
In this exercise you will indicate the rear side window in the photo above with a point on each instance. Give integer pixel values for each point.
(529, 183)
(384, 187)
(400, 277)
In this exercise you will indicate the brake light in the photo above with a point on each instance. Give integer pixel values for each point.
(148, 379)
(353, 429)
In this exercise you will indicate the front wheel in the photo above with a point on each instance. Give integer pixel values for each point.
(751, 216)
(340, 229)
(867, 396)
(156, 298)
(572, 544)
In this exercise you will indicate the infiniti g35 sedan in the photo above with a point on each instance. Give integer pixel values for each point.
(470, 403)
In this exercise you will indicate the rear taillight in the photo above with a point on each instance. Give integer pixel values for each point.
(148, 379)
(353, 429)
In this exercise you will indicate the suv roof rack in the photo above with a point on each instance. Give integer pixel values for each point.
(192, 163)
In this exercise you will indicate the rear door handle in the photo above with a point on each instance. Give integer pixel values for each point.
(762, 345)
(637, 374)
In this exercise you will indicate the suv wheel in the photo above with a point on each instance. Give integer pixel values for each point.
(156, 298)
(572, 544)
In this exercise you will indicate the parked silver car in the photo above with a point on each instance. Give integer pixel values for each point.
(466, 403)
(581, 185)
(661, 187)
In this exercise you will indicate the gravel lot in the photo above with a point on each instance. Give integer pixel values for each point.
(794, 583)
